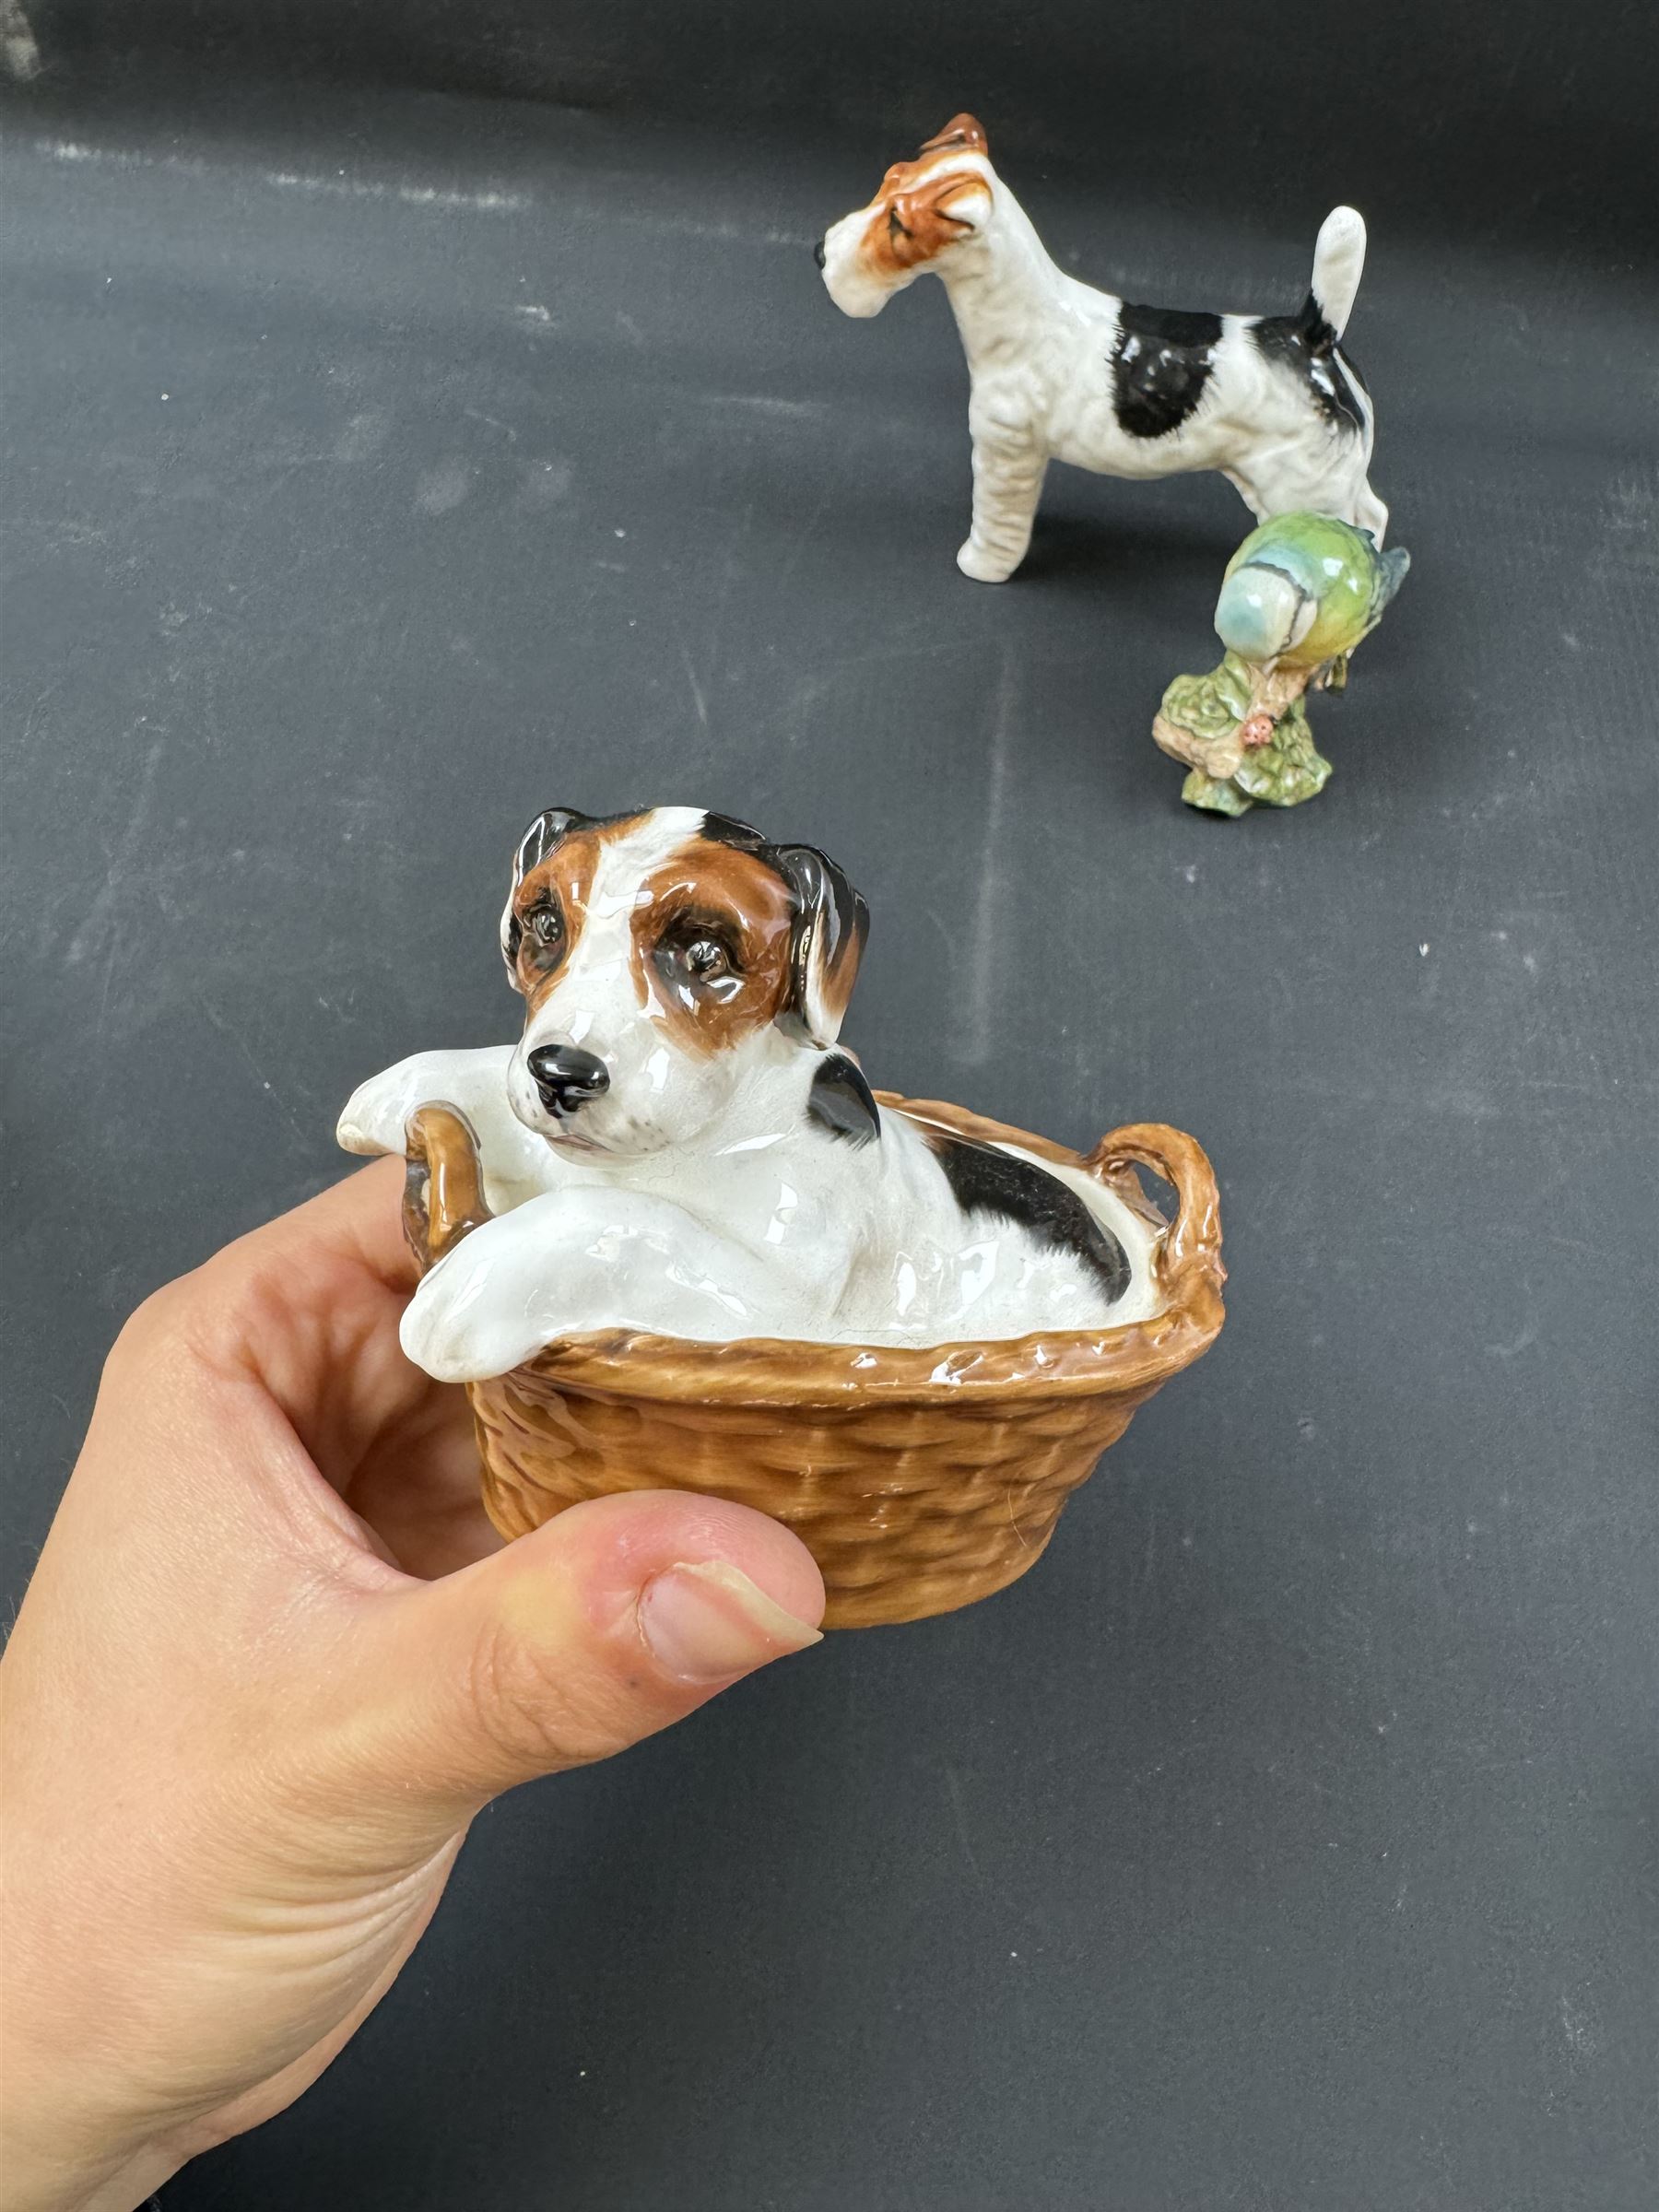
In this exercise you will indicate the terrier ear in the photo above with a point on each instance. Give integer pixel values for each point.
(832, 922)
(936, 213)
(549, 830)
(961, 130)
(965, 201)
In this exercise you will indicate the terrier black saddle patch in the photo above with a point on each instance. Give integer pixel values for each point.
(1306, 344)
(1160, 364)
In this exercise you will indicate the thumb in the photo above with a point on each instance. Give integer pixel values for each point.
(615, 1618)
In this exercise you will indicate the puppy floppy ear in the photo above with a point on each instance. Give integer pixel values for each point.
(550, 829)
(832, 922)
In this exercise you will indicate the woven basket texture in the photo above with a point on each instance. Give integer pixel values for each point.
(920, 1480)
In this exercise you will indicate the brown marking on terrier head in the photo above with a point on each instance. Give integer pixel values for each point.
(910, 227)
(962, 130)
(918, 211)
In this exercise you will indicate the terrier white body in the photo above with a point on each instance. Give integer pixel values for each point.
(1061, 371)
(676, 1143)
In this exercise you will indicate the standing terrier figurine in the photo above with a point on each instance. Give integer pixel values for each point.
(1063, 372)
(1297, 597)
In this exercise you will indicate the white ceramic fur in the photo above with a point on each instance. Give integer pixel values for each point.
(746, 1242)
(1041, 347)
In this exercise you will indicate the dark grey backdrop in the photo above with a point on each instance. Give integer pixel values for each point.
(383, 463)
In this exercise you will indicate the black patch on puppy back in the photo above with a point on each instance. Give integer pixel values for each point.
(1161, 363)
(1306, 344)
(841, 1102)
(986, 1181)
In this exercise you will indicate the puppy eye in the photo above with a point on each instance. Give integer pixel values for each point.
(895, 228)
(544, 925)
(696, 962)
(708, 960)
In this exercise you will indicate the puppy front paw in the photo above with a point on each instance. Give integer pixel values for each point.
(464, 1322)
(983, 565)
(374, 1116)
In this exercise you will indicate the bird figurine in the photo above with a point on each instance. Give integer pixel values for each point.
(1297, 597)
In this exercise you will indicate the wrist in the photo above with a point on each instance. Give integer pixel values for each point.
(58, 2151)
(41, 2175)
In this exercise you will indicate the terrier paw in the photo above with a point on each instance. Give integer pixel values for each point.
(983, 565)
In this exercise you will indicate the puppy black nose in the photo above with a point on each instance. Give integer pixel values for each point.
(566, 1076)
(817, 252)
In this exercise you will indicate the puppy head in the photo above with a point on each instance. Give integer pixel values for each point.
(928, 213)
(666, 957)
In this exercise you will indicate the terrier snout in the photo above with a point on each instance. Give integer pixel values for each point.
(817, 252)
(566, 1076)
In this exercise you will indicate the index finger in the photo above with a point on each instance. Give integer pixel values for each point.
(357, 1220)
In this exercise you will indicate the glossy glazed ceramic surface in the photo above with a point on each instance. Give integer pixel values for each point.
(1061, 371)
(678, 1144)
(1298, 594)
(920, 1479)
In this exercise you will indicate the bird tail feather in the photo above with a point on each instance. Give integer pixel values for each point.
(1394, 564)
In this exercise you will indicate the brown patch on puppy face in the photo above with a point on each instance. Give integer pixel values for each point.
(551, 905)
(711, 941)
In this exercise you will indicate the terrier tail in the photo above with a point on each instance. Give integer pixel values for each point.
(1338, 261)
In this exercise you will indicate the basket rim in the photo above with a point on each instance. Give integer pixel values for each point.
(1134, 1357)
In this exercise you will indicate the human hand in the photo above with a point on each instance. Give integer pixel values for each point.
(272, 1662)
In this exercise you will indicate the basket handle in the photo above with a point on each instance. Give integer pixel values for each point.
(1189, 1258)
(443, 1184)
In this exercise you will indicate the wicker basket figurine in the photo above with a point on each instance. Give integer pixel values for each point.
(920, 1480)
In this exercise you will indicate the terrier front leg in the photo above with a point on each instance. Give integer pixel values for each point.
(1007, 484)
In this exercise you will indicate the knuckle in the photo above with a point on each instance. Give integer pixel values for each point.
(155, 1325)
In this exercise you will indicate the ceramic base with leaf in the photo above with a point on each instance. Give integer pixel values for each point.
(671, 1238)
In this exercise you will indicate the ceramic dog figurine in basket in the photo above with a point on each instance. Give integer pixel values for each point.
(673, 1239)
(1061, 371)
